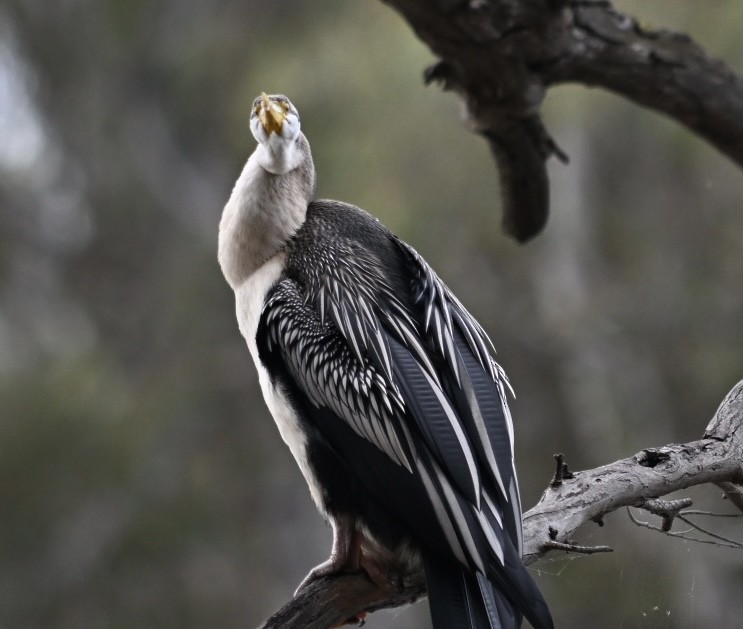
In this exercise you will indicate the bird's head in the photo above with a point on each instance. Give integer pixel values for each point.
(274, 122)
(274, 115)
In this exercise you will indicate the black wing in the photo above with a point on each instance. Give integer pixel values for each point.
(476, 384)
(324, 367)
(414, 379)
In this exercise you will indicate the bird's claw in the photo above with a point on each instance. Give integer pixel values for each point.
(331, 566)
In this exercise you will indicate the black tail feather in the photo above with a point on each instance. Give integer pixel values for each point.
(514, 579)
(459, 599)
(497, 605)
(446, 597)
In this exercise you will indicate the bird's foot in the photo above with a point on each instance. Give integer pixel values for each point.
(333, 565)
(353, 560)
(353, 552)
(343, 555)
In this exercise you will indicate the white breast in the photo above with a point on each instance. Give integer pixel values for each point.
(250, 297)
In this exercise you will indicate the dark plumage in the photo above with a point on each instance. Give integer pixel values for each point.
(385, 389)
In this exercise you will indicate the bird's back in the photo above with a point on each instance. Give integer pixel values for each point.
(368, 326)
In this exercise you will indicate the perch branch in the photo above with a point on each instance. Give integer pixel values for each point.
(579, 497)
(502, 56)
(330, 601)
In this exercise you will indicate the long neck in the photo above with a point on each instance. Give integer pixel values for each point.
(264, 211)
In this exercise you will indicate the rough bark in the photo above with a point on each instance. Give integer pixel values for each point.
(651, 473)
(331, 601)
(501, 56)
(572, 499)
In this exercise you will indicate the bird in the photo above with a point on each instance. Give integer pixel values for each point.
(382, 385)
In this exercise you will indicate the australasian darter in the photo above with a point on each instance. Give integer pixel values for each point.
(382, 385)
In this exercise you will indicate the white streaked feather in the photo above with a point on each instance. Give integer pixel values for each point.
(350, 333)
(453, 363)
(461, 438)
(516, 506)
(387, 404)
(439, 330)
(385, 352)
(381, 438)
(397, 448)
(411, 340)
(321, 309)
(482, 431)
(459, 519)
(495, 545)
(371, 416)
(441, 514)
(506, 411)
(493, 509)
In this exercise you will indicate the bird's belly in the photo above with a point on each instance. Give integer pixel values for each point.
(291, 432)
(250, 297)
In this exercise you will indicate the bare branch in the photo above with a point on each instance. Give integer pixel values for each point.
(577, 548)
(712, 514)
(501, 56)
(654, 472)
(661, 70)
(653, 527)
(578, 498)
(715, 536)
(666, 509)
(716, 539)
(561, 472)
(733, 492)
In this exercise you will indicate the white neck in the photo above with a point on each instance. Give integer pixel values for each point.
(278, 156)
(266, 208)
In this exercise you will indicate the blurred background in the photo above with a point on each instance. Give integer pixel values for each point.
(142, 481)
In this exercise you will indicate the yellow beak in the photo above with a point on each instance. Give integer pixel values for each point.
(271, 115)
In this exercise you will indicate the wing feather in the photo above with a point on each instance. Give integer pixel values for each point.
(476, 385)
(375, 416)
(437, 420)
(414, 377)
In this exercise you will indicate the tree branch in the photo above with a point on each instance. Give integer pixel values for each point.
(708, 537)
(501, 56)
(652, 473)
(578, 498)
(331, 601)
